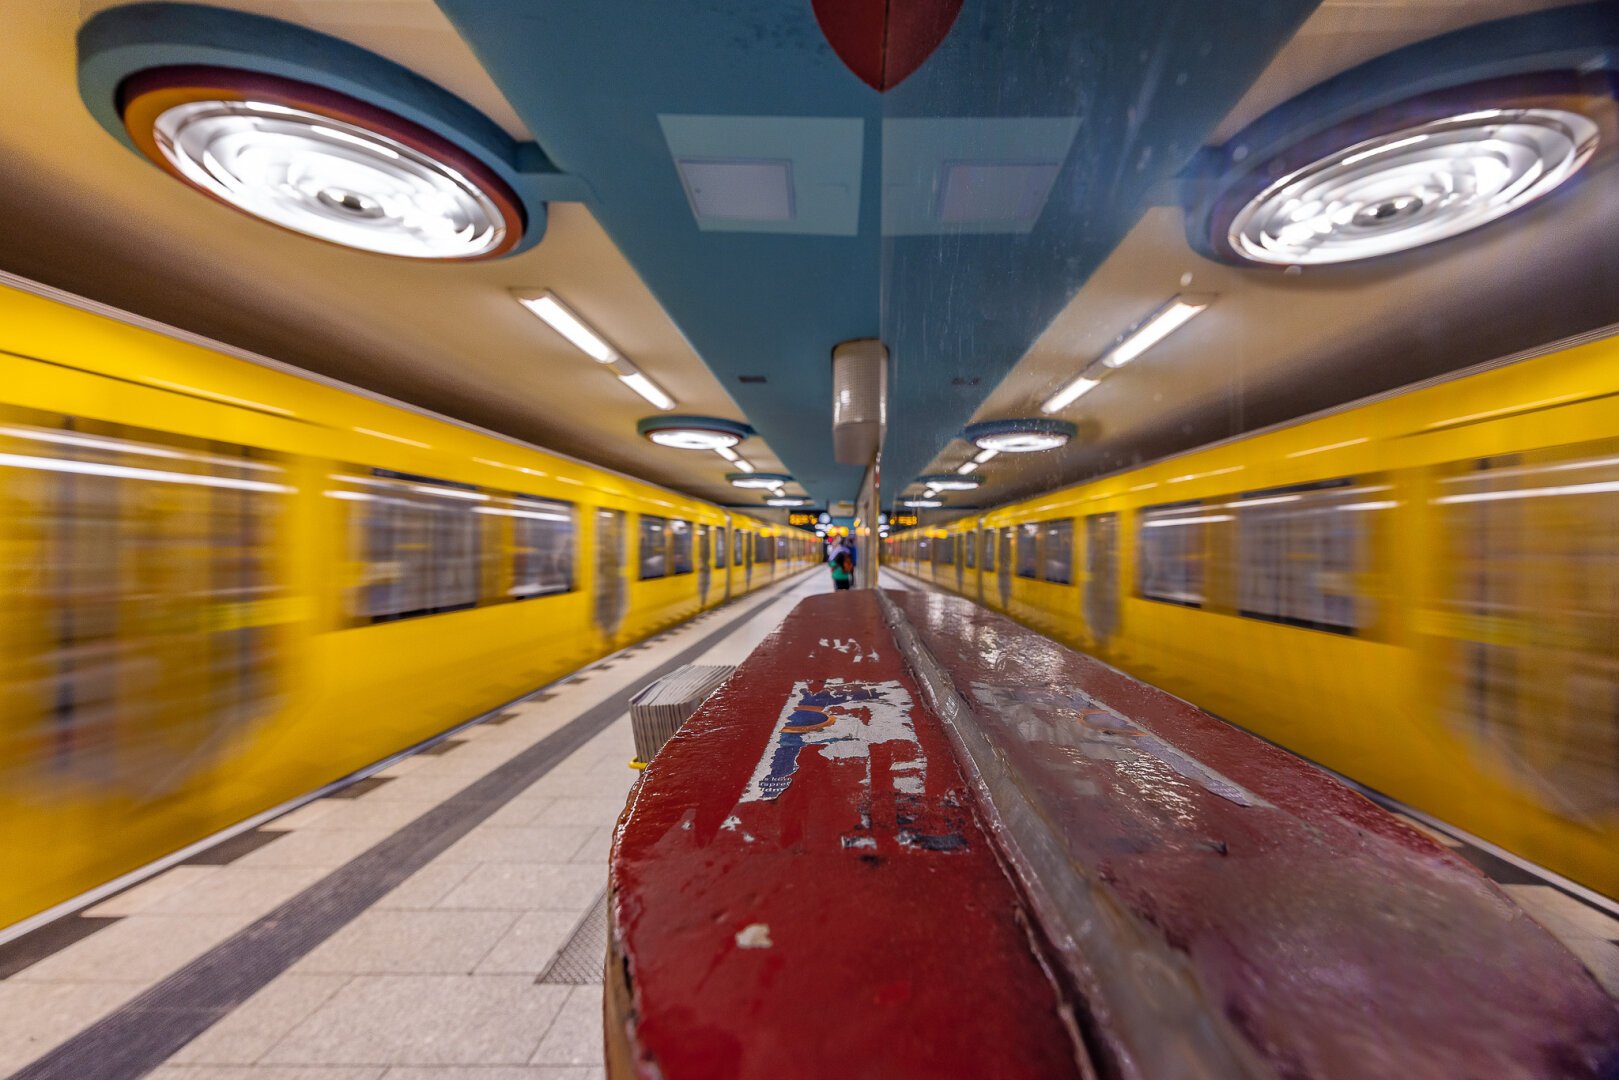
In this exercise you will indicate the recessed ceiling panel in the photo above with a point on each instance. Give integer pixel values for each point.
(775, 174)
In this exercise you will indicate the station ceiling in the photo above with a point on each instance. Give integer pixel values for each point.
(987, 308)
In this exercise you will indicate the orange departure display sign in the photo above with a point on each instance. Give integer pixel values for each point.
(803, 519)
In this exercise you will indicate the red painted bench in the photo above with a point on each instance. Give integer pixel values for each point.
(812, 879)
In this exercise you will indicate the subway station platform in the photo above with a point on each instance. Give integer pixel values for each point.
(440, 917)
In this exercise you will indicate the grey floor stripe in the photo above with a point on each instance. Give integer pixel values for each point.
(143, 1034)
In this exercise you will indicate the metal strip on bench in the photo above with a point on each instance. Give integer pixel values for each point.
(1159, 1022)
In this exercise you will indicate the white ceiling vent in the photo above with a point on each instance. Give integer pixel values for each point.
(995, 193)
(738, 190)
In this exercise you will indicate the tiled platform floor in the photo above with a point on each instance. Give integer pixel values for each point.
(440, 977)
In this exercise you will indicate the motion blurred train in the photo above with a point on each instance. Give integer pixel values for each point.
(1419, 591)
(227, 584)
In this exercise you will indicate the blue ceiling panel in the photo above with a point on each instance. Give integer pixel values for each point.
(1142, 85)
(953, 216)
(592, 81)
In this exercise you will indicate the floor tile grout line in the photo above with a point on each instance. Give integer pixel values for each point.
(124, 1045)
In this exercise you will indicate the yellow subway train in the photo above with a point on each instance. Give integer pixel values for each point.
(226, 584)
(1419, 591)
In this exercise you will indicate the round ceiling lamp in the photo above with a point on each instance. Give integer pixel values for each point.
(320, 163)
(759, 480)
(1025, 436)
(694, 432)
(951, 481)
(1411, 186)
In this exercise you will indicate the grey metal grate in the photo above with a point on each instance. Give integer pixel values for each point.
(579, 961)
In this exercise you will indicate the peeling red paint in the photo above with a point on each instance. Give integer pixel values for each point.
(895, 941)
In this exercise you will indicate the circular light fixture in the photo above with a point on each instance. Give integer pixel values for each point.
(1412, 186)
(921, 504)
(694, 432)
(320, 163)
(761, 480)
(786, 500)
(951, 482)
(1025, 436)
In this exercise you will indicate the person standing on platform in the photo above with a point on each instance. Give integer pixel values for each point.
(841, 559)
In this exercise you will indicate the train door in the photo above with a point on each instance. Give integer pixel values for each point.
(609, 600)
(1101, 603)
(1522, 634)
(144, 625)
(722, 555)
(745, 539)
(1003, 568)
(704, 571)
(960, 542)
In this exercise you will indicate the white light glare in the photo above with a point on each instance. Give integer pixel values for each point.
(759, 483)
(1021, 442)
(565, 322)
(1176, 314)
(331, 179)
(648, 389)
(785, 501)
(1072, 392)
(694, 439)
(922, 504)
(1411, 187)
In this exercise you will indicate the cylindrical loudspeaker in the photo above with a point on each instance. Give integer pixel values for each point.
(859, 400)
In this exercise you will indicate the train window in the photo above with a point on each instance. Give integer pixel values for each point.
(1525, 632)
(144, 600)
(1057, 553)
(680, 559)
(1300, 550)
(720, 547)
(654, 551)
(988, 537)
(781, 547)
(969, 548)
(1102, 575)
(419, 543)
(1028, 551)
(738, 538)
(541, 544)
(1173, 547)
(944, 551)
(763, 550)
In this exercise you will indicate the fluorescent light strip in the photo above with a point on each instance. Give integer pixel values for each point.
(648, 389)
(1076, 389)
(727, 453)
(558, 317)
(968, 468)
(125, 472)
(744, 464)
(392, 438)
(985, 456)
(1164, 322)
(1165, 522)
(1525, 493)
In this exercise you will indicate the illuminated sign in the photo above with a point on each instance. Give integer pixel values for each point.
(903, 521)
(803, 519)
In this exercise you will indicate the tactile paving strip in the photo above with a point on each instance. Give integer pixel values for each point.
(579, 961)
